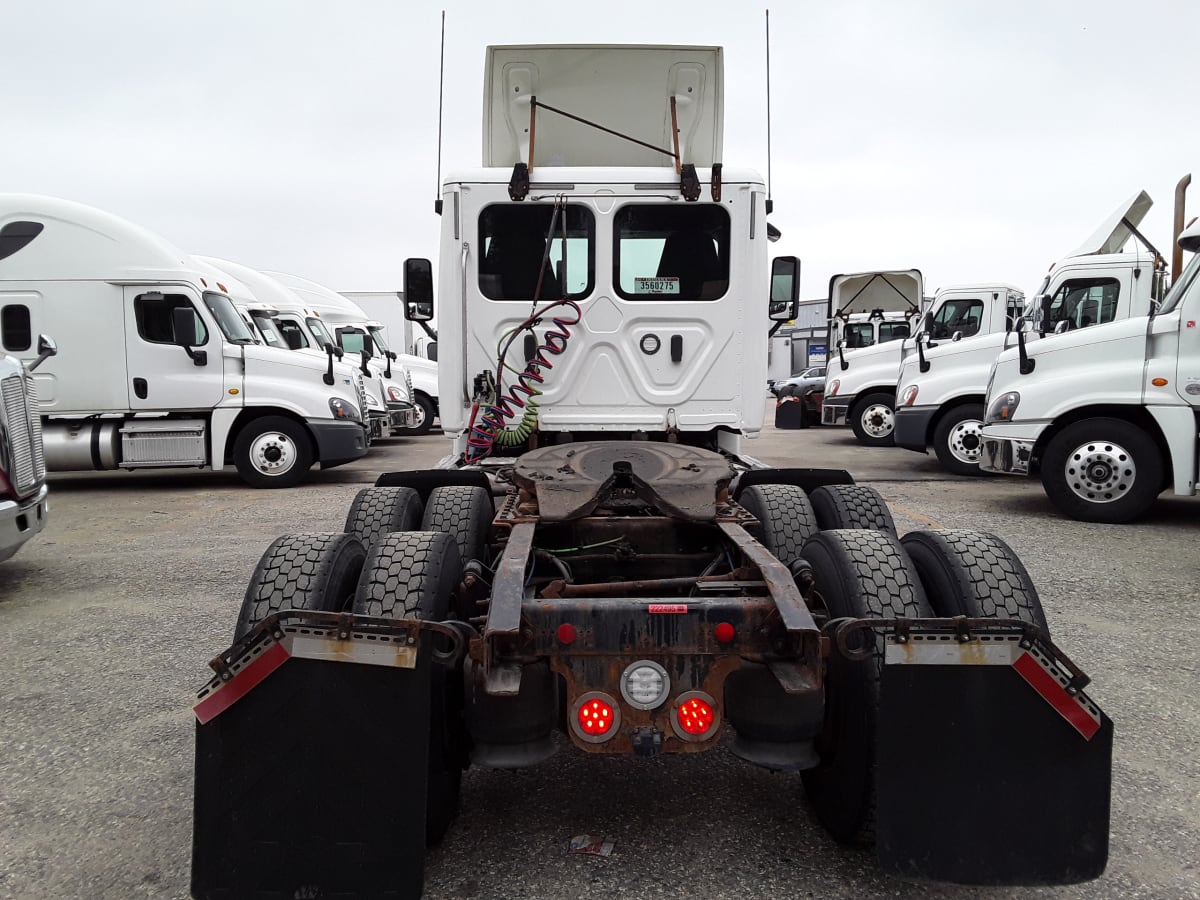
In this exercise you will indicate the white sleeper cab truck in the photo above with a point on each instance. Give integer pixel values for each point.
(24, 508)
(262, 301)
(942, 385)
(598, 559)
(391, 330)
(158, 369)
(351, 331)
(1108, 417)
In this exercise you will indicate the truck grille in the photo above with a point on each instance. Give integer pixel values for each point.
(24, 426)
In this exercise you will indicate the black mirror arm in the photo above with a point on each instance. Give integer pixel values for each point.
(328, 376)
(774, 328)
(1026, 364)
(923, 363)
(365, 369)
(842, 356)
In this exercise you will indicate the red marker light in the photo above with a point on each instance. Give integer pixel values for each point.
(723, 632)
(567, 633)
(595, 717)
(695, 716)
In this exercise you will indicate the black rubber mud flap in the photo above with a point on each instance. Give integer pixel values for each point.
(312, 785)
(982, 779)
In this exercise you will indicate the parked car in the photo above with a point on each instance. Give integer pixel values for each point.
(810, 376)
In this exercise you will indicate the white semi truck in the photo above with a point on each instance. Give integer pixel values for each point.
(359, 336)
(860, 385)
(158, 370)
(942, 386)
(276, 314)
(611, 566)
(1107, 418)
(418, 352)
(24, 503)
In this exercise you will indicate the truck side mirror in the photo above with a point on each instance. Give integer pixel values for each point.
(1063, 326)
(785, 289)
(334, 351)
(418, 290)
(183, 322)
(46, 349)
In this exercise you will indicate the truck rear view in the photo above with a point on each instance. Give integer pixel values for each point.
(596, 564)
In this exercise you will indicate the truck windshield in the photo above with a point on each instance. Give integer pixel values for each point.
(266, 325)
(231, 324)
(1180, 288)
(352, 340)
(513, 238)
(671, 252)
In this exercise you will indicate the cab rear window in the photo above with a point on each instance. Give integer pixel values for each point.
(514, 237)
(671, 252)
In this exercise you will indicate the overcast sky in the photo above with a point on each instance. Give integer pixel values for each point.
(975, 141)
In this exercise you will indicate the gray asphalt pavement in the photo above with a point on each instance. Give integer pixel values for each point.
(108, 619)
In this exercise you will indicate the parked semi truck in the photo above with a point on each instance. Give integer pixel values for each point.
(942, 386)
(598, 557)
(418, 352)
(158, 370)
(24, 507)
(1107, 418)
(860, 386)
(355, 334)
(263, 301)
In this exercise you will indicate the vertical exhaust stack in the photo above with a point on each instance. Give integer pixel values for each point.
(1176, 250)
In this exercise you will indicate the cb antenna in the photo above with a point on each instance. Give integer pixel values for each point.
(770, 202)
(437, 202)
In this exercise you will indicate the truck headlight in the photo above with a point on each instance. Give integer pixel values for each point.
(909, 395)
(343, 409)
(834, 385)
(395, 395)
(1002, 408)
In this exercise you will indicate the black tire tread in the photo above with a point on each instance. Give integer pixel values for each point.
(396, 580)
(988, 578)
(377, 511)
(464, 512)
(785, 518)
(298, 571)
(852, 506)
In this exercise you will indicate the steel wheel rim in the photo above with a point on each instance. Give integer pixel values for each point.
(965, 441)
(1100, 471)
(886, 420)
(273, 453)
(420, 416)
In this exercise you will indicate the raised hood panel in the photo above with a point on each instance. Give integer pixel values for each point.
(627, 89)
(901, 290)
(1112, 234)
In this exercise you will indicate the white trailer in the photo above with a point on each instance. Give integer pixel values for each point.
(158, 369)
(942, 385)
(1107, 418)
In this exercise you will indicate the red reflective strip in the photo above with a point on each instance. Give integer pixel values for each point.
(1054, 694)
(671, 608)
(243, 683)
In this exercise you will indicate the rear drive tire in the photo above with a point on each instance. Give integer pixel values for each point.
(1102, 470)
(377, 511)
(413, 575)
(852, 506)
(958, 439)
(860, 574)
(873, 419)
(302, 571)
(273, 452)
(975, 574)
(785, 518)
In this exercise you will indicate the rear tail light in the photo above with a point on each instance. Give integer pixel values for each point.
(695, 716)
(595, 717)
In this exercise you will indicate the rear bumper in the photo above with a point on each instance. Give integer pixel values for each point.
(338, 442)
(21, 520)
(835, 410)
(912, 425)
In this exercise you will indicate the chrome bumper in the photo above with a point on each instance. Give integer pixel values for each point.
(835, 410)
(1006, 456)
(19, 521)
(401, 415)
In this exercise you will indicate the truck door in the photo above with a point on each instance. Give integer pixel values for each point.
(159, 373)
(1187, 377)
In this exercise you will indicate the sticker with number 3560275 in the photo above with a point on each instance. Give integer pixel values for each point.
(643, 285)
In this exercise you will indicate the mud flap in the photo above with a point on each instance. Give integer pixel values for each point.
(989, 771)
(313, 784)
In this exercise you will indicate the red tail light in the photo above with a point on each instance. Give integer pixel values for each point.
(695, 716)
(595, 717)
